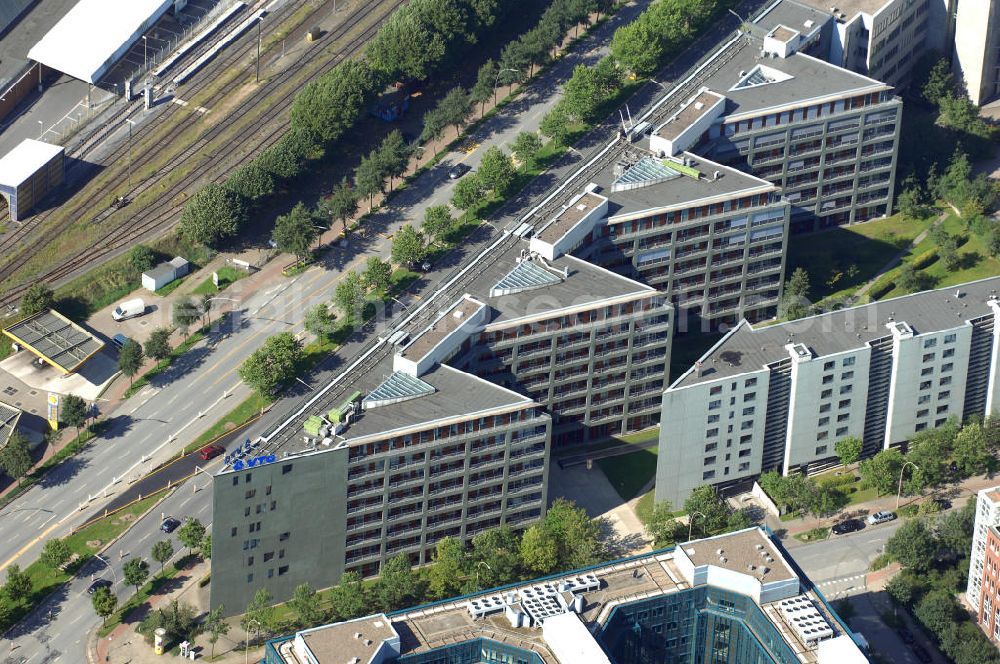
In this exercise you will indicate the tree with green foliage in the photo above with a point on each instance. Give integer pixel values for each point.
(216, 626)
(260, 616)
(794, 302)
(331, 105)
(438, 222)
(272, 365)
(158, 344)
(320, 321)
(484, 88)
(140, 258)
(287, 158)
(912, 545)
(434, 124)
(130, 359)
(162, 552)
(394, 155)
(349, 296)
(909, 279)
(15, 457)
(638, 46)
(18, 584)
(947, 251)
(55, 553)
(251, 181)
(455, 108)
(305, 603)
(496, 171)
(186, 313)
(576, 534)
(397, 584)
(557, 124)
(135, 572)
(295, 231)
(179, 621)
(369, 177)
(910, 202)
(663, 527)
(715, 513)
(515, 63)
(824, 501)
(378, 275)
(406, 47)
(206, 546)
(348, 597)
(539, 551)
(849, 450)
(589, 88)
(940, 82)
(526, 146)
(954, 530)
(972, 456)
(408, 247)
(342, 203)
(496, 557)
(104, 603)
(881, 472)
(36, 299)
(74, 412)
(468, 192)
(937, 610)
(212, 215)
(445, 575)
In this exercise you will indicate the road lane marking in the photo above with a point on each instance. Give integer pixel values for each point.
(30, 544)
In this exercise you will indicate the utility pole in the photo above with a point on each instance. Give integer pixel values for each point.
(130, 123)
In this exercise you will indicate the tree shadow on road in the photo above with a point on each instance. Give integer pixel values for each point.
(183, 365)
(64, 472)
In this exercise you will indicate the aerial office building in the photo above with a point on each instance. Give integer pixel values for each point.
(730, 599)
(779, 397)
(405, 447)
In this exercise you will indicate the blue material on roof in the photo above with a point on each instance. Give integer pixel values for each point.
(526, 275)
(397, 387)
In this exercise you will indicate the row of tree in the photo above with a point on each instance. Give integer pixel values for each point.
(662, 31)
(565, 539)
(708, 514)
(935, 559)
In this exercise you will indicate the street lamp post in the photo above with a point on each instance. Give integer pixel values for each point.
(130, 124)
(691, 521)
(497, 82)
(246, 650)
(899, 489)
(481, 562)
(105, 561)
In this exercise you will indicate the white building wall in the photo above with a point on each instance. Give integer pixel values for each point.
(826, 404)
(928, 381)
(975, 55)
(711, 433)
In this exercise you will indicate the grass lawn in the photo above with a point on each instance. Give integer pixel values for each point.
(840, 260)
(813, 535)
(171, 287)
(227, 276)
(629, 473)
(644, 507)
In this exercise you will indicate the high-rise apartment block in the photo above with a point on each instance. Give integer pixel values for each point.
(983, 590)
(779, 397)
(731, 599)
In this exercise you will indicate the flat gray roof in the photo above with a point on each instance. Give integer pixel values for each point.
(338, 642)
(9, 415)
(683, 191)
(698, 107)
(849, 7)
(569, 218)
(796, 15)
(56, 339)
(741, 549)
(747, 348)
(425, 341)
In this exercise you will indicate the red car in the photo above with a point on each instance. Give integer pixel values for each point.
(211, 451)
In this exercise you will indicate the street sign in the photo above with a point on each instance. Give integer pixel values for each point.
(53, 414)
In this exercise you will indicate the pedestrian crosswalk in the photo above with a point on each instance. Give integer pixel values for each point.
(856, 577)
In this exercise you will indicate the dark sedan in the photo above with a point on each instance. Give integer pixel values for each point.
(97, 585)
(848, 526)
(169, 524)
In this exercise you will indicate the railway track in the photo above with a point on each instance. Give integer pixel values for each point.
(142, 225)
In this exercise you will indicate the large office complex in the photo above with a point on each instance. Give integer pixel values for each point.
(983, 590)
(779, 397)
(405, 447)
(730, 599)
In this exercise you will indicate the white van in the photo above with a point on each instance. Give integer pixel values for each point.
(129, 309)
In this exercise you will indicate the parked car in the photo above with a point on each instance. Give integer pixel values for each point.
(458, 170)
(881, 517)
(211, 451)
(120, 340)
(942, 503)
(170, 524)
(847, 526)
(905, 635)
(921, 653)
(129, 309)
(97, 585)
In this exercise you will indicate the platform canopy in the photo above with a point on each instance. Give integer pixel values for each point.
(55, 339)
(25, 160)
(91, 37)
(9, 415)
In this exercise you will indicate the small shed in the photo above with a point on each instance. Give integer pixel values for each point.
(9, 415)
(164, 273)
(28, 173)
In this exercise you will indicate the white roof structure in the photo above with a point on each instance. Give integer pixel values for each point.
(24, 161)
(840, 650)
(570, 640)
(94, 34)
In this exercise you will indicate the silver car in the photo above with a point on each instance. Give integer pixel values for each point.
(881, 517)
